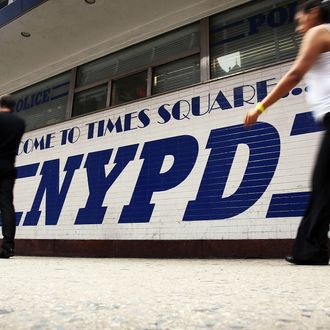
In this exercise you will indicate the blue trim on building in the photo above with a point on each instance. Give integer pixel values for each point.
(17, 9)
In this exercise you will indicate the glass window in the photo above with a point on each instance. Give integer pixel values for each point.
(90, 100)
(129, 88)
(3, 3)
(176, 74)
(162, 48)
(44, 103)
(252, 35)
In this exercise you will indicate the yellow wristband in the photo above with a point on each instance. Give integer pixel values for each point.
(260, 107)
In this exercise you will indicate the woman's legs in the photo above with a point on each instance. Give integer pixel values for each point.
(311, 243)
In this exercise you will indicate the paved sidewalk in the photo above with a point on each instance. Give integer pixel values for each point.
(65, 293)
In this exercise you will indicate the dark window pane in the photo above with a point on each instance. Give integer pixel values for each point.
(3, 3)
(90, 100)
(129, 88)
(253, 35)
(44, 103)
(141, 55)
(176, 74)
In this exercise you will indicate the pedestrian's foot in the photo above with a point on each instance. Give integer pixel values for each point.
(290, 259)
(320, 262)
(6, 254)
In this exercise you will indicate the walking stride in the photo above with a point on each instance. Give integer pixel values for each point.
(313, 21)
(11, 131)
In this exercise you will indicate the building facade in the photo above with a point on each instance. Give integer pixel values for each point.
(135, 144)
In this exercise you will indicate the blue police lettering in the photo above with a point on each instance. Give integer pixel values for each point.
(39, 143)
(164, 113)
(128, 122)
(181, 110)
(99, 183)
(152, 180)
(50, 188)
(25, 171)
(275, 18)
(240, 93)
(196, 107)
(42, 96)
(144, 118)
(264, 155)
(70, 135)
(185, 109)
(32, 100)
(220, 102)
(209, 204)
(263, 88)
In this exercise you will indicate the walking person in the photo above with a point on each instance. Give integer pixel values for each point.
(313, 22)
(11, 131)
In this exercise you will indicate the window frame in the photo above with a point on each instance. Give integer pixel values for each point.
(148, 68)
(126, 76)
(254, 68)
(203, 50)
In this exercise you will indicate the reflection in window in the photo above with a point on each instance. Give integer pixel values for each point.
(129, 88)
(176, 74)
(254, 35)
(230, 63)
(90, 100)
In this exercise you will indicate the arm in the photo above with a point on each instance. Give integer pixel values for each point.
(310, 49)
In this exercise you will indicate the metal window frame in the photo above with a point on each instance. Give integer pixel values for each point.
(149, 68)
(149, 82)
(71, 94)
(170, 59)
(238, 8)
(126, 76)
(107, 98)
(173, 90)
(205, 49)
(205, 69)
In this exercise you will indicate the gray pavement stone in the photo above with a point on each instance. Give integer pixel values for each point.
(72, 293)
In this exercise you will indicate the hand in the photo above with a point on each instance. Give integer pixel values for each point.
(251, 117)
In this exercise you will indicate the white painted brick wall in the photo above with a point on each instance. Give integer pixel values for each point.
(292, 173)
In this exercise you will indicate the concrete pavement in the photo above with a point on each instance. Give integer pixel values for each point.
(66, 293)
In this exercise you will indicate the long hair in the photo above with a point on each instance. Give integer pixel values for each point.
(323, 5)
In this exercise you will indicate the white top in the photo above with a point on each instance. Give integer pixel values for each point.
(318, 82)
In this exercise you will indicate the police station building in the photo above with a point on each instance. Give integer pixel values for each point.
(135, 145)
